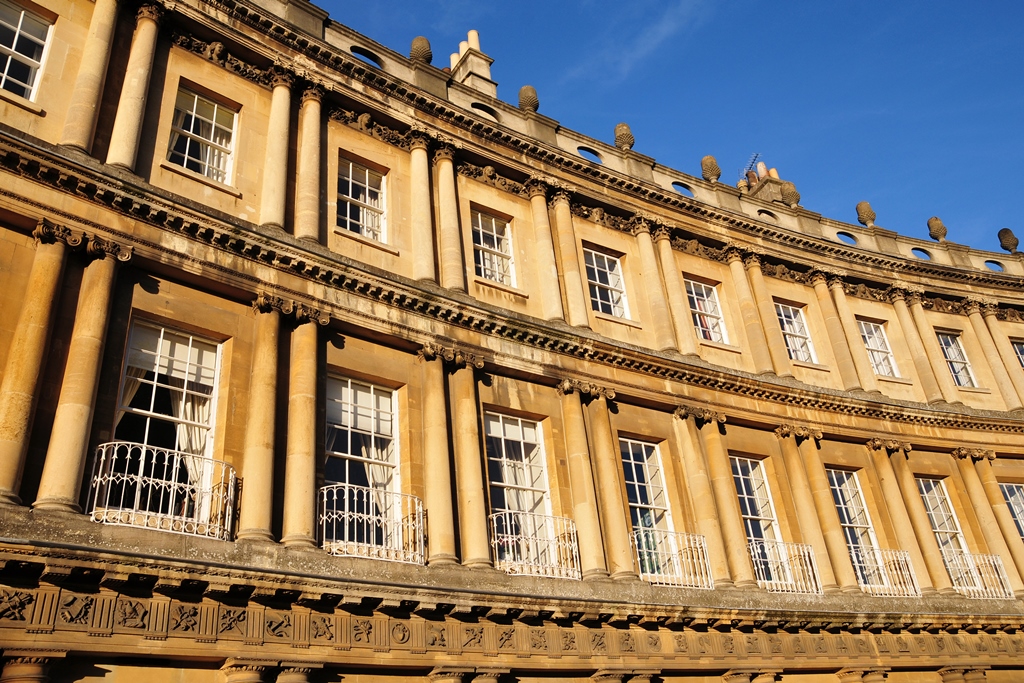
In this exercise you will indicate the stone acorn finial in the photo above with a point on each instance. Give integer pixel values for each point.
(709, 169)
(420, 50)
(790, 197)
(865, 214)
(937, 229)
(1007, 240)
(528, 98)
(624, 136)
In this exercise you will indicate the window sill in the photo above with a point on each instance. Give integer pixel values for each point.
(894, 380)
(721, 346)
(615, 319)
(810, 366)
(366, 241)
(975, 390)
(19, 101)
(484, 282)
(209, 182)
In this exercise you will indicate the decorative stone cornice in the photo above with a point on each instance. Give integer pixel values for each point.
(890, 445)
(48, 232)
(584, 389)
(99, 247)
(963, 453)
(798, 432)
(700, 414)
(365, 124)
(216, 53)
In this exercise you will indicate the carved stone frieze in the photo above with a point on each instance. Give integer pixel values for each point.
(487, 175)
(365, 124)
(13, 604)
(216, 53)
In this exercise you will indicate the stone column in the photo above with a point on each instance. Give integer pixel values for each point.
(242, 673)
(581, 482)
(453, 268)
(544, 251)
(27, 353)
(80, 123)
(991, 529)
(854, 341)
(572, 276)
(997, 502)
(664, 335)
(419, 197)
(437, 474)
(803, 501)
(26, 669)
(918, 516)
(682, 323)
(924, 369)
(611, 504)
(729, 516)
(1002, 343)
(748, 311)
(64, 466)
(950, 674)
(307, 165)
(991, 356)
(699, 484)
(828, 517)
(300, 495)
(255, 511)
(131, 107)
(275, 160)
(836, 335)
(469, 472)
(294, 674)
(906, 538)
(932, 349)
(875, 676)
(975, 675)
(769, 318)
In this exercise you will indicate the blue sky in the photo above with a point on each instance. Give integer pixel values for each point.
(917, 107)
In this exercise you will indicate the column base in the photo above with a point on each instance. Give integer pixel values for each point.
(442, 559)
(9, 498)
(745, 585)
(478, 564)
(851, 590)
(272, 225)
(831, 589)
(595, 575)
(724, 584)
(1019, 594)
(948, 591)
(625, 576)
(299, 542)
(928, 592)
(255, 536)
(57, 505)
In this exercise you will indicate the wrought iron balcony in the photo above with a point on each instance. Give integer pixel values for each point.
(669, 558)
(977, 576)
(784, 567)
(886, 573)
(362, 521)
(157, 488)
(535, 545)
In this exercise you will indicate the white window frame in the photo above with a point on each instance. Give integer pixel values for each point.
(1018, 348)
(605, 277)
(346, 202)
(11, 55)
(708, 324)
(1014, 495)
(956, 358)
(493, 261)
(855, 521)
(207, 168)
(645, 485)
(539, 494)
(377, 417)
(748, 475)
(876, 342)
(795, 332)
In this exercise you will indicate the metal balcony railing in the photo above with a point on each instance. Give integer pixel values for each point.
(977, 576)
(886, 573)
(784, 567)
(535, 545)
(369, 522)
(157, 488)
(668, 558)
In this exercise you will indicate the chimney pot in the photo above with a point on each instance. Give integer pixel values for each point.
(474, 40)
(463, 46)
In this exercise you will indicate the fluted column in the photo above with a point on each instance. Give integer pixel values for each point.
(769, 318)
(918, 516)
(64, 466)
(469, 473)
(307, 166)
(80, 123)
(836, 335)
(572, 276)
(544, 252)
(854, 341)
(419, 197)
(729, 515)
(698, 483)
(611, 504)
(925, 370)
(906, 537)
(437, 474)
(256, 510)
(664, 334)
(131, 107)
(748, 312)
(299, 525)
(26, 669)
(991, 529)
(581, 482)
(932, 349)
(1011, 363)
(275, 159)
(453, 269)
(679, 309)
(997, 502)
(992, 356)
(27, 352)
(803, 501)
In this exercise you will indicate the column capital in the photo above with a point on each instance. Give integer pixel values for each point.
(278, 74)
(890, 445)
(100, 248)
(417, 138)
(584, 389)
(978, 304)
(444, 151)
(48, 232)
(454, 355)
(752, 260)
(150, 10)
(265, 303)
(559, 196)
(700, 414)
(535, 187)
(734, 252)
(910, 293)
(304, 313)
(313, 91)
(639, 223)
(662, 232)
(825, 275)
(442, 673)
(798, 432)
(963, 453)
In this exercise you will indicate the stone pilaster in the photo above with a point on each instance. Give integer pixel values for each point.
(275, 159)
(419, 195)
(679, 309)
(931, 348)
(664, 335)
(769, 318)
(1004, 347)
(925, 370)
(997, 502)
(453, 268)
(865, 373)
(611, 504)
(307, 165)
(756, 342)
(469, 473)
(836, 334)
(572, 276)
(990, 355)
(544, 251)
(437, 475)
(80, 123)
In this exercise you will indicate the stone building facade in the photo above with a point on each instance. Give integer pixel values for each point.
(322, 363)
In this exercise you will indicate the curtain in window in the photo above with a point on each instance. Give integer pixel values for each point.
(132, 377)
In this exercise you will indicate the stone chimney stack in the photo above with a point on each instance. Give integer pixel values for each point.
(472, 67)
